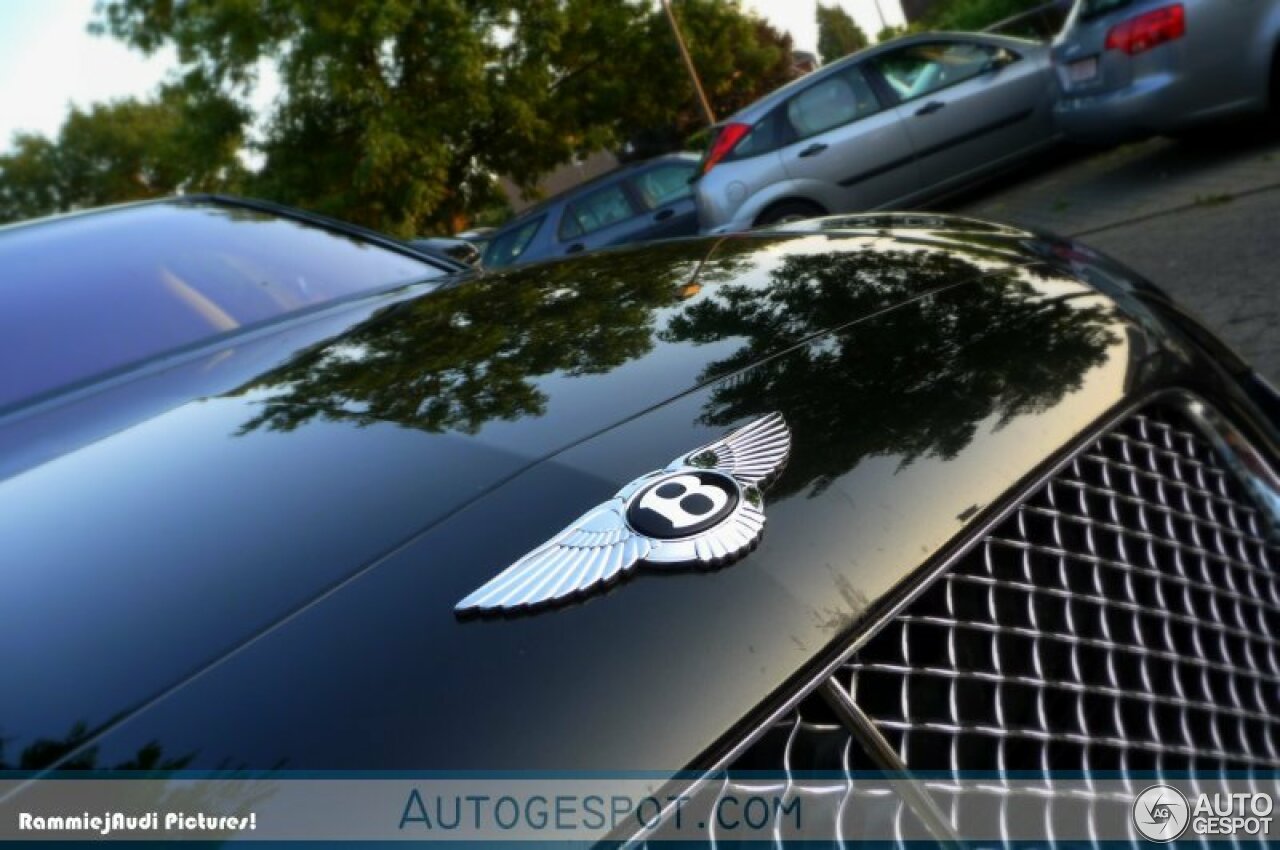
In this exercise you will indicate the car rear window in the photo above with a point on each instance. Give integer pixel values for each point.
(1094, 8)
(766, 136)
(84, 295)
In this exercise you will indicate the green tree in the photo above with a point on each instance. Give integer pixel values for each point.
(739, 58)
(891, 32)
(838, 34)
(29, 184)
(186, 138)
(400, 114)
(972, 15)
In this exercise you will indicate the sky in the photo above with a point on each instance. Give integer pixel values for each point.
(799, 17)
(49, 61)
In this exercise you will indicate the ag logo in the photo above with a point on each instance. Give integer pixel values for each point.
(682, 505)
(1161, 813)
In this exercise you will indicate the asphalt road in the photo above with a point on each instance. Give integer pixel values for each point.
(1201, 220)
(1222, 262)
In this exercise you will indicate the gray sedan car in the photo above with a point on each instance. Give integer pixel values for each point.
(904, 122)
(1130, 68)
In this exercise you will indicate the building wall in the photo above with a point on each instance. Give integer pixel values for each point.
(562, 179)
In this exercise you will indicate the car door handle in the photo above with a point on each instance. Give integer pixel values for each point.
(663, 215)
(930, 107)
(574, 248)
(813, 149)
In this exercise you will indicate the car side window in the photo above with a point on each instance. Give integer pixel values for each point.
(507, 247)
(921, 69)
(595, 211)
(664, 184)
(1097, 8)
(837, 100)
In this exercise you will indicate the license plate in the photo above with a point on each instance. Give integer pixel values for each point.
(1084, 70)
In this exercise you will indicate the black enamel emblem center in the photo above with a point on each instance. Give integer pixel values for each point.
(683, 504)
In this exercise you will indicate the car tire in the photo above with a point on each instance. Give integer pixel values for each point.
(789, 211)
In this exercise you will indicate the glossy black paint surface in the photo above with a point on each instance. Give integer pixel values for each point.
(250, 556)
(90, 293)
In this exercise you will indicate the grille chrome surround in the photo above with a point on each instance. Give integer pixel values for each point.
(1122, 616)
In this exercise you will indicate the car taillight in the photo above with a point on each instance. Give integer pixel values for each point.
(1144, 32)
(726, 139)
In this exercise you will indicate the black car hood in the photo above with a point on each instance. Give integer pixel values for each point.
(250, 555)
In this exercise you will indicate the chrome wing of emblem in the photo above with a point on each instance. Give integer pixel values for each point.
(703, 510)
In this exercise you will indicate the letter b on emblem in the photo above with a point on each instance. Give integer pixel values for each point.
(683, 504)
(672, 496)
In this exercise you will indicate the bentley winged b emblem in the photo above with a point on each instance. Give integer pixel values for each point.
(702, 510)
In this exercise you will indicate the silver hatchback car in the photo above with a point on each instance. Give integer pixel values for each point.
(1130, 68)
(892, 126)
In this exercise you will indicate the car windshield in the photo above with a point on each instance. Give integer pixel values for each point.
(83, 295)
(507, 247)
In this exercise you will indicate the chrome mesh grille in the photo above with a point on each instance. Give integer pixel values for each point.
(1122, 618)
(819, 759)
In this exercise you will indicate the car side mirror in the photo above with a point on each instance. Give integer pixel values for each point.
(449, 248)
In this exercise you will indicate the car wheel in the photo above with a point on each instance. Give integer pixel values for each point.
(789, 211)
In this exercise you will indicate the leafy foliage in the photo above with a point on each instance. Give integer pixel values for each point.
(892, 32)
(400, 114)
(838, 34)
(972, 15)
(739, 58)
(126, 150)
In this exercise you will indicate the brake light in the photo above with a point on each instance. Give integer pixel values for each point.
(726, 140)
(1144, 32)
